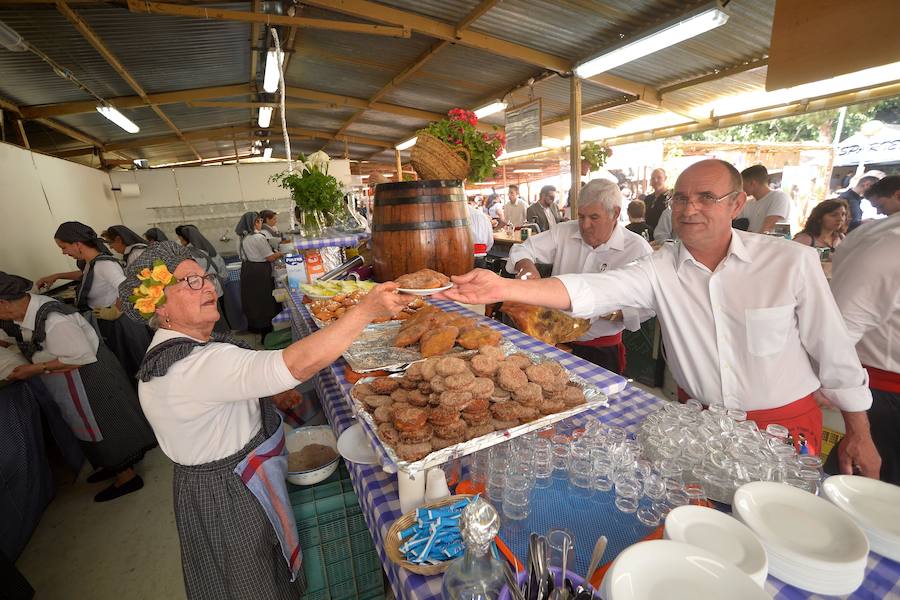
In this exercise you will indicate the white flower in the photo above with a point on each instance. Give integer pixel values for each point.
(318, 161)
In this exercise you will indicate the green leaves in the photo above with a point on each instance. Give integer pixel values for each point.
(459, 131)
(311, 187)
(595, 154)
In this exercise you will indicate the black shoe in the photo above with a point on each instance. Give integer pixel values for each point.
(101, 474)
(113, 492)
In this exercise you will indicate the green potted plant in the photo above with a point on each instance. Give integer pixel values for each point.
(319, 196)
(454, 148)
(594, 155)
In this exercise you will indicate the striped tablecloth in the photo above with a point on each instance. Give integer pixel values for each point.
(377, 490)
(343, 241)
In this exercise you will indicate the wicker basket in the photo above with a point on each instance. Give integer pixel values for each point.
(392, 540)
(433, 159)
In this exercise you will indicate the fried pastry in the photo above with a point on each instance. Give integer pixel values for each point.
(438, 341)
(476, 337)
(424, 279)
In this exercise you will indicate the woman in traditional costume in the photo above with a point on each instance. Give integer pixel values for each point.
(207, 397)
(257, 284)
(85, 380)
(125, 242)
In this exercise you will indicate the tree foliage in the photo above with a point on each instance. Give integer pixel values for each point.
(811, 127)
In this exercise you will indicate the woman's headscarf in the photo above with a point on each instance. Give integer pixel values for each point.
(73, 231)
(155, 234)
(247, 224)
(13, 287)
(129, 237)
(170, 253)
(195, 238)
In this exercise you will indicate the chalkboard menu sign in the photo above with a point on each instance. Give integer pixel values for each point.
(523, 126)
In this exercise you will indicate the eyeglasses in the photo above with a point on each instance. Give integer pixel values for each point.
(195, 282)
(704, 199)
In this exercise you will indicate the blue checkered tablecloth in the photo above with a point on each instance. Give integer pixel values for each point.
(344, 241)
(377, 490)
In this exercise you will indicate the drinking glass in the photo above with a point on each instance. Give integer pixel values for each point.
(696, 494)
(655, 487)
(560, 459)
(628, 494)
(648, 515)
(580, 477)
(676, 499)
(557, 538)
(543, 465)
(602, 471)
(516, 498)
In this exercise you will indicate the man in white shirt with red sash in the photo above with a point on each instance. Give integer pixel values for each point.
(866, 286)
(748, 320)
(596, 243)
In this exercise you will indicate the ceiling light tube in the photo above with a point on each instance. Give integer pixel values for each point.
(11, 40)
(265, 116)
(689, 25)
(118, 118)
(407, 144)
(270, 79)
(490, 109)
(267, 152)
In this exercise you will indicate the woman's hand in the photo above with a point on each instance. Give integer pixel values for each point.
(383, 301)
(23, 372)
(45, 282)
(478, 286)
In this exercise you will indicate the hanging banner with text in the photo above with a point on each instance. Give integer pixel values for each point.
(523, 127)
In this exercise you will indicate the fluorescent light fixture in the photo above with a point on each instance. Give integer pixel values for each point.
(527, 171)
(11, 40)
(265, 116)
(407, 144)
(267, 152)
(692, 24)
(270, 79)
(494, 107)
(118, 118)
(364, 176)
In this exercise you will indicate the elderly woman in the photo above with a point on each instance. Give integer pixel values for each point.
(98, 291)
(94, 394)
(154, 235)
(125, 242)
(206, 397)
(257, 284)
(825, 225)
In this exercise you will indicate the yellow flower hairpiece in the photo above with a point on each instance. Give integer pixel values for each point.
(150, 295)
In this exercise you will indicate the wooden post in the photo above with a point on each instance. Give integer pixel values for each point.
(24, 137)
(574, 143)
(234, 145)
(399, 165)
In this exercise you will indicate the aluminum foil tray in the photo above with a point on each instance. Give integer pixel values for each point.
(374, 350)
(594, 396)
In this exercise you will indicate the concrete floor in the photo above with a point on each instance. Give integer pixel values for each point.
(125, 549)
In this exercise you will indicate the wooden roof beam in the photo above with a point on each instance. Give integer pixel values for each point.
(360, 103)
(88, 106)
(295, 105)
(94, 40)
(199, 12)
(445, 31)
(475, 14)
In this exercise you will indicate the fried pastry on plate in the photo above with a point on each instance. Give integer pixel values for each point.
(424, 279)
(438, 341)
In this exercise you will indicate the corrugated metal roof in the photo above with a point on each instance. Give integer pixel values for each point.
(206, 52)
(554, 94)
(385, 126)
(320, 120)
(753, 80)
(50, 32)
(188, 117)
(98, 126)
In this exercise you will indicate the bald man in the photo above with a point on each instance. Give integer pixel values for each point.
(748, 320)
(656, 202)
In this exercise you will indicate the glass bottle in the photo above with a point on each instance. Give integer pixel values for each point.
(477, 575)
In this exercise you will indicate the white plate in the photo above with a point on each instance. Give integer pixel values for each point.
(800, 527)
(874, 505)
(354, 446)
(424, 292)
(724, 536)
(675, 571)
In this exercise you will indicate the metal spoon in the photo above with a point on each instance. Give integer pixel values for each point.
(514, 590)
(563, 592)
(596, 556)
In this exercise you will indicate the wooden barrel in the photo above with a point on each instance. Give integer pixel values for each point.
(418, 225)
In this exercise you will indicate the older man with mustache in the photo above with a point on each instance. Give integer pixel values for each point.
(749, 320)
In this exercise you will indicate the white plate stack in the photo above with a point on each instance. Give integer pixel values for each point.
(811, 544)
(874, 505)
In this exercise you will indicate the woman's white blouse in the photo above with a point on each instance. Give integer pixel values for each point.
(105, 286)
(70, 338)
(206, 407)
(254, 248)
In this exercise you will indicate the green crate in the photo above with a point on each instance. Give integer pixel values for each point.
(327, 490)
(366, 562)
(342, 471)
(346, 589)
(371, 595)
(333, 526)
(350, 498)
(339, 571)
(336, 550)
(356, 522)
(347, 486)
(361, 543)
(332, 504)
(319, 595)
(301, 496)
(309, 537)
(373, 580)
(313, 568)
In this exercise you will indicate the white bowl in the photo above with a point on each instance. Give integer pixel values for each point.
(298, 439)
(873, 505)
